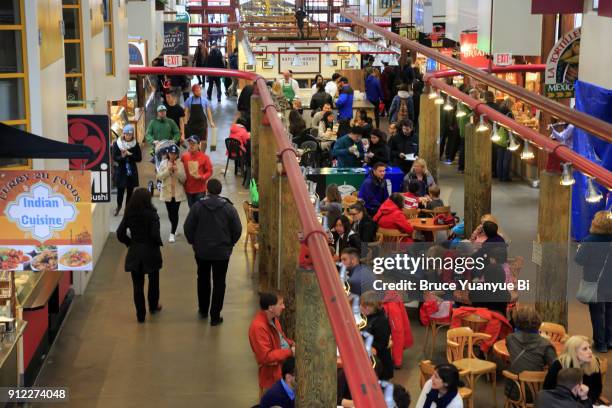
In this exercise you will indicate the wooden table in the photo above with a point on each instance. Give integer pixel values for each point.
(427, 224)
(367, 105)
(501, 349)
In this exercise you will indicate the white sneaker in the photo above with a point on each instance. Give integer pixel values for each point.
(171, 238)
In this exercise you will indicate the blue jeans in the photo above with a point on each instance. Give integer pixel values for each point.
(601, 320)
(504, 159)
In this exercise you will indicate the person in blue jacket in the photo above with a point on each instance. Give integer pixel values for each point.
(374, 92)
(373, 190)
(282, 393)
(344, 103)
(348, 149)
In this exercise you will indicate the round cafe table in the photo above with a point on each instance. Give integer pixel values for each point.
(427, 224)
(501, 349)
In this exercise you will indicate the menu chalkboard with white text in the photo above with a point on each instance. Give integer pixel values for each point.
(176, 38)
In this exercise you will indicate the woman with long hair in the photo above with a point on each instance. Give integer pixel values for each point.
(344, 236)
(370, 304)
(332, 203)
(144, 254)
(126, 153)
(378, 151)
(442, 389)
(420, 174)
(577, 353)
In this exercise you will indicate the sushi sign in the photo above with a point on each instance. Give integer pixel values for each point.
(45, 216)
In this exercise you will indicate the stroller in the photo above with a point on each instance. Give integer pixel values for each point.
(158, 156)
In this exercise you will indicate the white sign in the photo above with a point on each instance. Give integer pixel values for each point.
(382, 20)
(173, 61)
(41, 211)
(502, 59)
(311, 63)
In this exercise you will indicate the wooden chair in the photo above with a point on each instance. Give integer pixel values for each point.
(434, 326)
(474, 322)
(460, 344)
(392, 236)
(428, 369)
(554, 332)
(373, 248)
(411, 212)
(603, 369)
(252, 229)
(529, 383)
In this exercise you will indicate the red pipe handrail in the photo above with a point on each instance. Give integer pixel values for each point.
(447, 73)
(359, 373)
(325, 52)
(593, 125)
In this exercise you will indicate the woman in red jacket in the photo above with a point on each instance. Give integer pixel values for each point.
(401, 333)
(239, 132)
(391, 216)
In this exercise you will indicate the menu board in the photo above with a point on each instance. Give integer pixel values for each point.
(176, 38)
(45, 220)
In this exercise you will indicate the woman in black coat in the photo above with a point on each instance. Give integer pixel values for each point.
(378, 326)
(378, 151)
(126, 153)
(144, 254)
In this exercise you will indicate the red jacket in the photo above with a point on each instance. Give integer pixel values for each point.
(400, 326)
(498, 326)
(265, 343)
(239, 133)
(391, 217)
(193, 185)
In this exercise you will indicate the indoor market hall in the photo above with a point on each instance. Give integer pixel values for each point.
(268, 204)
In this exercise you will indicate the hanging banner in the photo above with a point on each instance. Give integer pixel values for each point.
(311, 63)
(556, 7)
(45, 220)
(176, 38)
(93, 131)
(562, 66)
(437, 38)
(470, 54)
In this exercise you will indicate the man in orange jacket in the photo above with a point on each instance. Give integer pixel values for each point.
(268, 341)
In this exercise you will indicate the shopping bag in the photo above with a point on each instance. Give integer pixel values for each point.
(587, 292)
(254, 195)
(213, 139)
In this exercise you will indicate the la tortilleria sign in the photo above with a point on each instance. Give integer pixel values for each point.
(562, 66)
(45, 220)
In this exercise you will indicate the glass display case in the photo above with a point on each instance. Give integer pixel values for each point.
(25, 283)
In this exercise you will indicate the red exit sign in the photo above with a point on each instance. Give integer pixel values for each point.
(173, 61)
(502, 59)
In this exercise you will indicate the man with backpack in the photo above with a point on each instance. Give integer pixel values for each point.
(402, 106)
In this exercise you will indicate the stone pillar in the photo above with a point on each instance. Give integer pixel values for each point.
(553, 237)
(429, 133)
(477, 196)
(315, 346)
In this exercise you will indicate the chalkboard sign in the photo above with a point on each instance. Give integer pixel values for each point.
(176, 38)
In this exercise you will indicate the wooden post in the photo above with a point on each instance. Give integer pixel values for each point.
(268, 183)
(315, 347)
(429, 133)
(289, 253)
(477, 196)
(553, 237)
(256, 124)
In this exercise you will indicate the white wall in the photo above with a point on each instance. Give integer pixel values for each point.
(461, 15)
(595, 57)
(147, 24)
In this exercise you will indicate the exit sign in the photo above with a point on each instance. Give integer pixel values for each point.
(502, 59)
(173, 61)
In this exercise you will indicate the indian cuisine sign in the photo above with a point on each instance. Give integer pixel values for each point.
(562, 66)
(45, 220)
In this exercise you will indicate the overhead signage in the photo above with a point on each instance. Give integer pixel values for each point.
(45, 220)
(470, 54)
(137, 53)
(93, 131)
(562, 66)
(311, 63)
(176, 38)
(502, 59)
(173, 61)
(557, 6)
(437, 38)
(382, 20)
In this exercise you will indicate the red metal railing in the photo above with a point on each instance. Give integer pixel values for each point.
(360, 376)
(593, 125)
(446, 73)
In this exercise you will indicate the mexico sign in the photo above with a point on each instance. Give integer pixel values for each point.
(562, 66)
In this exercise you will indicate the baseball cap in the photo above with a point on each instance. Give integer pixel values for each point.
(195, 86)
(161, 108)
(193, 139)
(172, 149)
(128, 128)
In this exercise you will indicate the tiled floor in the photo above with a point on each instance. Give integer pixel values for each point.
(106, 359)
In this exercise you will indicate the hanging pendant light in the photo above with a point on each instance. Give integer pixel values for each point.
(393, 61)
(495, 137)
(325, 47)
(482, 127)
(292, 48)
(567, 179)
(354, 63)
(271, 61)
(328, 61)
(432, 93)
(377, 61)
(461, 113)
(513, 145)
(593, 194)
(448, 106)
(439, 99)
(527, 154)
(297, 61)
